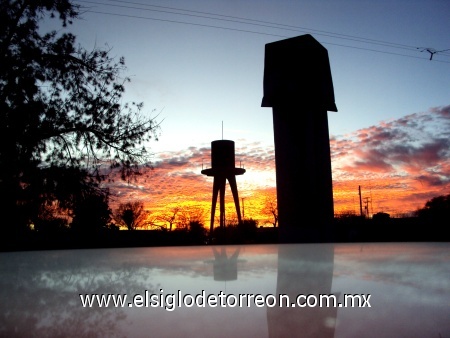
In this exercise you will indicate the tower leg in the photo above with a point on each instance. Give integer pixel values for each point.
(216, 188)
(222, 202)
(233, 186)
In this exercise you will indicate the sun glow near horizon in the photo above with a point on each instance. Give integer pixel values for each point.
(399, 165)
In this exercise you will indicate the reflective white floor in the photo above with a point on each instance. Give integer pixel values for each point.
(408, 283)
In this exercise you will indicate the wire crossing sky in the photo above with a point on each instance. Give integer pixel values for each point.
(251, 22)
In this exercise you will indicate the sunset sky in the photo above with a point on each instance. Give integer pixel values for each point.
(197, 64)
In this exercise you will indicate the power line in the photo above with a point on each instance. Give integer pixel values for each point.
(188, 23)
(266, 24)
(247, 21)
(338, 35)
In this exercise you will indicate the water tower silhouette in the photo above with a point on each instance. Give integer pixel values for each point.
(222, 169)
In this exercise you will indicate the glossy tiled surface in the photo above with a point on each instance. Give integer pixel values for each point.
(409, 284)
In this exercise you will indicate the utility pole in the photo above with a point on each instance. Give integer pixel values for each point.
(366, 205)
(360, 201)
(243, 209)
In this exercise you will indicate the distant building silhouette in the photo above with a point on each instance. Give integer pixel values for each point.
(222, 169)
(299, 88)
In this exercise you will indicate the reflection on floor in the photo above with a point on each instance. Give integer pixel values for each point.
(406, 285)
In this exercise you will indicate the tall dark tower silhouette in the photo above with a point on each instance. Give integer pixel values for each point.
(299, 88)
(222, 169)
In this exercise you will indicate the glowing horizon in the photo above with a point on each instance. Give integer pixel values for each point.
(399, 164)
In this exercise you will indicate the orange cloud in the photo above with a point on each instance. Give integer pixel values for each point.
(399, 164)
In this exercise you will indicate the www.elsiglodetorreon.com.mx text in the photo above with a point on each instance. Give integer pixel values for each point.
(171, 301)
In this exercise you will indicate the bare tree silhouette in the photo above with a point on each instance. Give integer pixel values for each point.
(270, 209)
(131, 215)
(170, 216)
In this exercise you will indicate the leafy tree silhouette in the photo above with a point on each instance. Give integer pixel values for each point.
(235, 232)
(197, 232)
(436, 210)
(60, 109)
(91, 212)
(247, 229)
